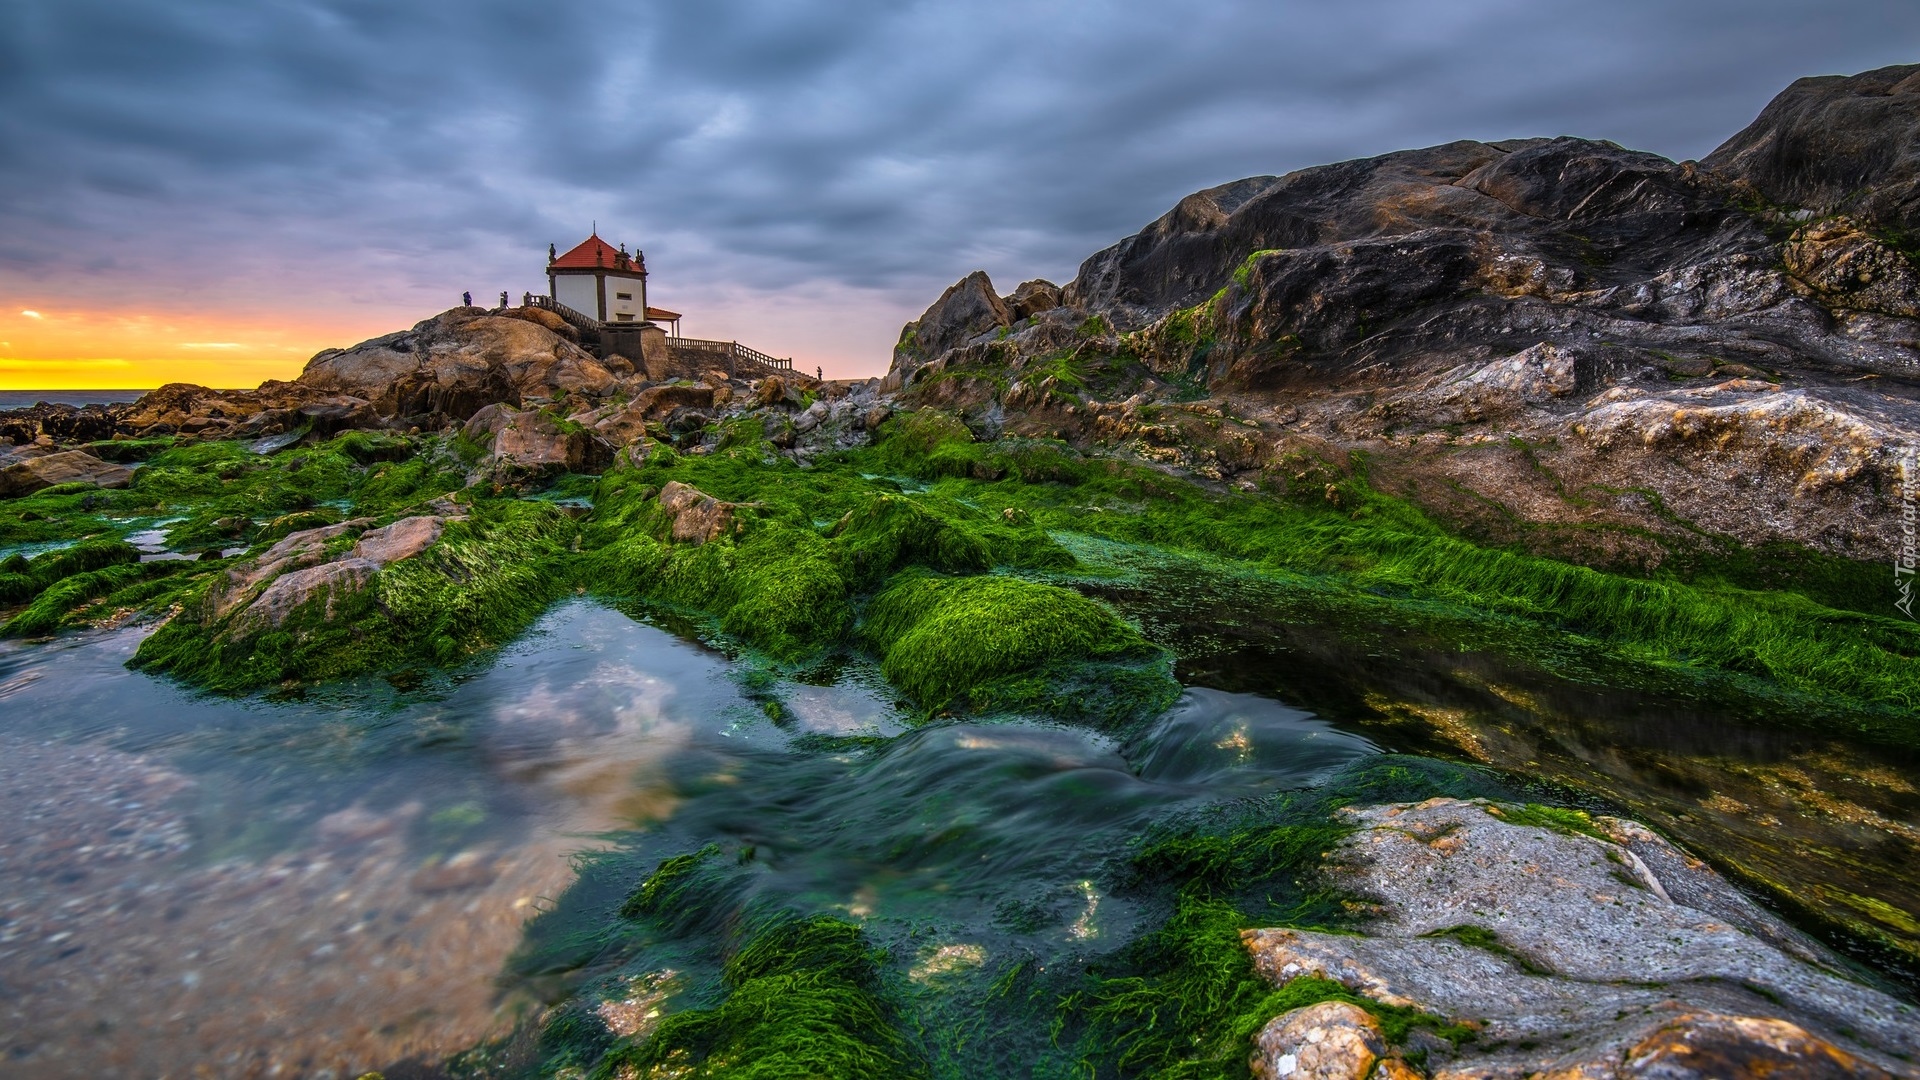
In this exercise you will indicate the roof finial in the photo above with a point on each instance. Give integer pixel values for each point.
(596, 228)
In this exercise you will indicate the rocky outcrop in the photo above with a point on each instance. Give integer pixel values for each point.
(1836, 143)
(1845, 267)
(293, 573)
(1607, 954)
(967, 309)
(1032, 298)
(548, 319)
(694, 516)
(450, 366)
(64, 423)
(1435, 308)
(26, 475)
(531, 443)
(655, 409)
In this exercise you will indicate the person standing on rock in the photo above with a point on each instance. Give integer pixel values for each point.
(503, 299)
(466, 299)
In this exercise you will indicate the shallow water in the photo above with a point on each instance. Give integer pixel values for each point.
(319, 886)
(1823, 826)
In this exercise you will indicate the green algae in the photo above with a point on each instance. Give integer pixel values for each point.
(55, 584)
(815, 548)
(49, 610)
(958, 641)
(666, 889)
(485, 580)
(817, 994)
(802, 999)
(1183, 999)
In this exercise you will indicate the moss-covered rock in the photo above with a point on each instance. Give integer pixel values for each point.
(979, 641)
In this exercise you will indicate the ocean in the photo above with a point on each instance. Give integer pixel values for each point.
(20, 399)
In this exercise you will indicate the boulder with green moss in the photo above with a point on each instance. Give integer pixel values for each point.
(423, 590)
(1554, 936)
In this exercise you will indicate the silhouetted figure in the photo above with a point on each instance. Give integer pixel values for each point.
(503, 299)
(466, 299)
(820, 374)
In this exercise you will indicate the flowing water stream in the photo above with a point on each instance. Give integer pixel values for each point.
(320, 885)
(198, 886)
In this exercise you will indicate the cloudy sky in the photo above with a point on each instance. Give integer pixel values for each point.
(215, 189)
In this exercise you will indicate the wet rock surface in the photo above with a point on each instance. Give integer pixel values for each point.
(695, 517)
(1572, 955)
(26, 475)
(1436, 308)
(1329, 1041)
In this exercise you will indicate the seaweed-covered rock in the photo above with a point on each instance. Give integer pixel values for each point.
(1584, 947)
(695, 517)
(30, 474)
(527, 443)
(330, 582)
(297, 577)
(401, 540)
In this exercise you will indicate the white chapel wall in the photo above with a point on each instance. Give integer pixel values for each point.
(577, 292)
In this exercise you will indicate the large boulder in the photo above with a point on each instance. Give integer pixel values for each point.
(543, 317)
(450, 366)
(1597, 953)
(694, 516)
(31, 474)
(622, 424)
(1836, 142)
(1032, 298)
(966, 310)
(296, 576)
(530, 443)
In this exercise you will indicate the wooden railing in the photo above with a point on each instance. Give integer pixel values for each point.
(732, 353)
(736, 354)
(579, 319)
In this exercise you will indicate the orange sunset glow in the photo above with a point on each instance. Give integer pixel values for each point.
(48, 346)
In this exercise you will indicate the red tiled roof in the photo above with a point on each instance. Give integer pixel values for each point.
(595, 253)
(660, 314)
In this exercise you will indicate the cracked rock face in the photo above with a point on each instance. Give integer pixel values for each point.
(1576, 956)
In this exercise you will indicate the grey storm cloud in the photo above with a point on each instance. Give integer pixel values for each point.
(763, 143)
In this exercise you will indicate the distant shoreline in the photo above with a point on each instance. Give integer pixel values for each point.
(20, 399)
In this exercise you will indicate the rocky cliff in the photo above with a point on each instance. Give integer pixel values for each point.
(1596, 351)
